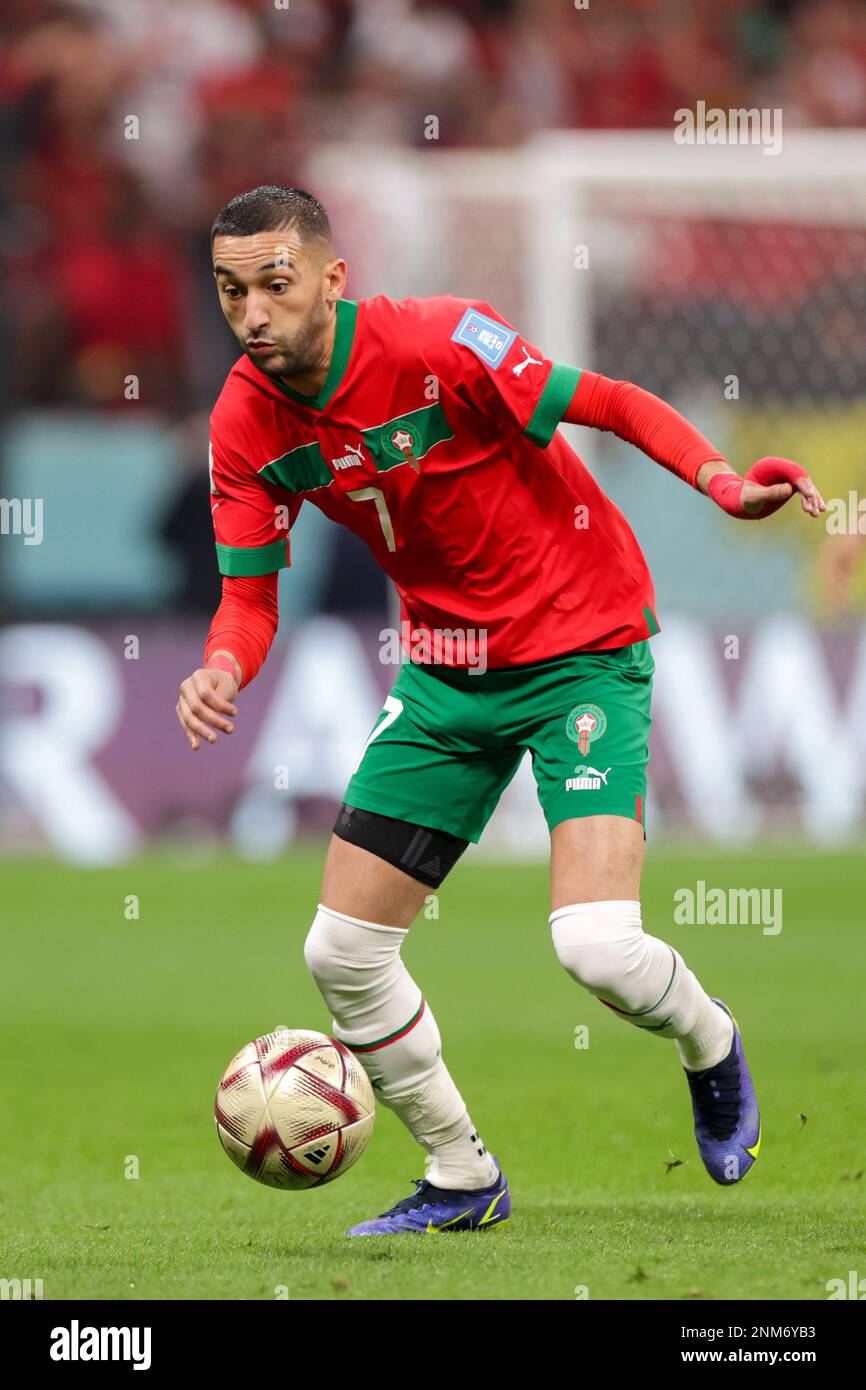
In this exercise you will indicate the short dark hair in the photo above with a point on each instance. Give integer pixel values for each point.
(270, 208)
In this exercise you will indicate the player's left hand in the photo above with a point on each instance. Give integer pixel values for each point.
(767, 486)
(771, 482)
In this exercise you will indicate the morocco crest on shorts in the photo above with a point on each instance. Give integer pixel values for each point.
(585, 724)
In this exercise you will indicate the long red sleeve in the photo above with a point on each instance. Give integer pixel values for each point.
(246, 621)
(640, 418)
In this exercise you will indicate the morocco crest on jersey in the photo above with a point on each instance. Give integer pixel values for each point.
(584, 725)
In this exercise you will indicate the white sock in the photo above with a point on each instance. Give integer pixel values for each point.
(380, 1013)
(644, 980)
(709, 1041)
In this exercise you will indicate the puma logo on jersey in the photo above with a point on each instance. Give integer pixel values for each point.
(353, 457)
(586, 779)
(521, 366)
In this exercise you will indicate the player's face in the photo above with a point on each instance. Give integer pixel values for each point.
(277, 294)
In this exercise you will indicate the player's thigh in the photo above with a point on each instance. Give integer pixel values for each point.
(426, 764)
(589, 756)
(425, 789)
(595, 859)
(360, 884)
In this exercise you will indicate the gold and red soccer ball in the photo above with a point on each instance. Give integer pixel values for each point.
(294, 1109)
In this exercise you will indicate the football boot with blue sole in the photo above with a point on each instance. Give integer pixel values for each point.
(432, 1209)
(726, 1114)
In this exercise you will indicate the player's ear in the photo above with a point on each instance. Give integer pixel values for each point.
(334, 274)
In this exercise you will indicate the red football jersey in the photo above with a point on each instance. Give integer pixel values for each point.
(434, 438)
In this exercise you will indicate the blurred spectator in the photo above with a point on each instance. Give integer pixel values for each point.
(186, 525)
(125, 127)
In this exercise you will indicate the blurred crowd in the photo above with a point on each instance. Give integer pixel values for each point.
(124, 126)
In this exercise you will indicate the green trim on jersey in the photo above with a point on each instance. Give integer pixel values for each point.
(652, 623)
(344, 336)
(427, 426)
(302, 469)
(552, 404)
(252, 559)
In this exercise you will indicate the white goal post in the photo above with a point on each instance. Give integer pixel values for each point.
(730, 280)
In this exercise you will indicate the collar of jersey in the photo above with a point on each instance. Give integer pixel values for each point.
(344, 336)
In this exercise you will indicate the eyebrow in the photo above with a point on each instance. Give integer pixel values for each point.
(271, 265)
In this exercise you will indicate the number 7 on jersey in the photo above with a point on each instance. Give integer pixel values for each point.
(375, 494)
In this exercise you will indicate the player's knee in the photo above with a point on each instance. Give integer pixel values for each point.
(321, 947)
(345, 952)
(375, 1003)
(602, 945)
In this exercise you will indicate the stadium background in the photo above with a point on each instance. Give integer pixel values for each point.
(729, 280)
(725, 262)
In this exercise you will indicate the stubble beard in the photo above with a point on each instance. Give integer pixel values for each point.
(304, 354)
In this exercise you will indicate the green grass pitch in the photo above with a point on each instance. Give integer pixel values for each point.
(116, 1033)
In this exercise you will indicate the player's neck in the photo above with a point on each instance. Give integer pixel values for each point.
(311, 383)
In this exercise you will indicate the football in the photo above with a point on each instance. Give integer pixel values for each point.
(294, 1109)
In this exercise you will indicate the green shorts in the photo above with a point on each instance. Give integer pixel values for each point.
(448, 742)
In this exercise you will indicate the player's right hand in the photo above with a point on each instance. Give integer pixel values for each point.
(205, 702)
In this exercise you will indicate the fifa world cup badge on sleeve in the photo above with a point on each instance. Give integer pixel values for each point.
(487, 338)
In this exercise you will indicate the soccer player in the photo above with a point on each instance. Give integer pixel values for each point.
(429, 428)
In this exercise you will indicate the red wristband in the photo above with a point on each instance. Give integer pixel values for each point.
(221, 663)
(726, 490)
(771, 470)
(775, 470)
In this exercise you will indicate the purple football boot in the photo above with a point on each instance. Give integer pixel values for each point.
(432, 1209)
(727, 1118)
